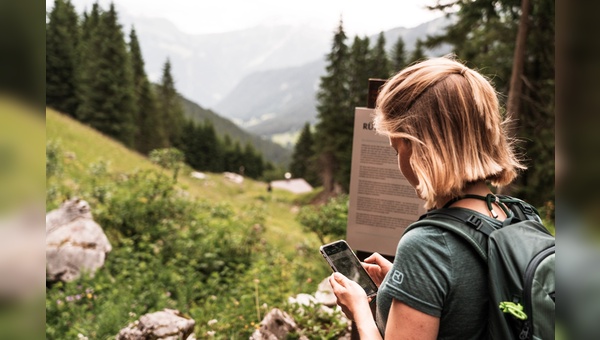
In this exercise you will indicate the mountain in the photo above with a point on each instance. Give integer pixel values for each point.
(410, 35)
(275, 101)
(271, 152)
(207, 67)
(264, 78)
(279, 101)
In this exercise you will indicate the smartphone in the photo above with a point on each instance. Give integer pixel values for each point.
(342, 259)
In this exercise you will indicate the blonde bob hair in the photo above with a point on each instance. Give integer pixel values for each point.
(450, 116)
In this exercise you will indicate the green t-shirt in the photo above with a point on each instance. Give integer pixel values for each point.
(438, 273)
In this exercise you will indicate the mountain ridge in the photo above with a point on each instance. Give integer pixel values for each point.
(281, 101)
(208, 66)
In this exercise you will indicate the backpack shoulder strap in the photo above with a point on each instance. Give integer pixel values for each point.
(522, 210)
(455, 225)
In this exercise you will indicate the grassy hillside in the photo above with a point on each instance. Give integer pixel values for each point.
(84, 146)
(211, 248)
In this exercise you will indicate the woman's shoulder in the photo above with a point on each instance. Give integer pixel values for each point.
(430, 238)
(425, 239)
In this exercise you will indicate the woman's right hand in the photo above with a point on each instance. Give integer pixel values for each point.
(377, 266)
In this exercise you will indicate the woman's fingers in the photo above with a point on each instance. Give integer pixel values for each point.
(378, 259)
(339, 279)
(336, 280)
(371, 258)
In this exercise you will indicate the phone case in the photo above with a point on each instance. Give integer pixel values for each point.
(342, 247)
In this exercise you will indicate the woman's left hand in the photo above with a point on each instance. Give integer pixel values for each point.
(351, 297)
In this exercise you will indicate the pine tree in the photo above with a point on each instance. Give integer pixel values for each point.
(302, 165)
(379, 64)
(170, 106)
(485, 36)
(201, 146)
(107, 100)
(398, 55)
(359, 72)
(150, 134)
(189, 147)
(88, 65)
(212, 148)
(235, 160)
(62, 39)
(227, 151)
(417, 54)
(252, 162)
(335, 115)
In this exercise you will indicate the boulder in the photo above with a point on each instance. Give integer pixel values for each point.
(168, 324)
(75, 243)
(325, 294)
(275, 325)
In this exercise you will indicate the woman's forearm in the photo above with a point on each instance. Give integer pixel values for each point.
(366, 326)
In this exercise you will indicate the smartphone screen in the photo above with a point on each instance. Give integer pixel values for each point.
(342, 259)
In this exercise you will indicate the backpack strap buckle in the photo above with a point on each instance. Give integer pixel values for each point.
(480, 225)
(475, 222)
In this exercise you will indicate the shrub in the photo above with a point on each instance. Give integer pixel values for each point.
(316, 322)
(53, 158)
(168, 158)
(328, 220)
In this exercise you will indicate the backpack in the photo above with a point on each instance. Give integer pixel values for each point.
(520, 257)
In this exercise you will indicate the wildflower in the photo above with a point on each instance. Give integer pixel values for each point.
(210, 333)
(132, 314)
(212, 322)
(59, 302)
(70, 298)
(78, 296)
(89, 296)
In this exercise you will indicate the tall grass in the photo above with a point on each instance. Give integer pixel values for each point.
(220, 252)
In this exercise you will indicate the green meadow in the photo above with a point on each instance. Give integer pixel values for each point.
(211, 248)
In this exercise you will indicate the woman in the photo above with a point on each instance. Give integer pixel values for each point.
(443, 120)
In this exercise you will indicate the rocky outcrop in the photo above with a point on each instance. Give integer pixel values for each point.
(325, 294)
(168, 324)
(75, 243)
(278, 324)
(274, 326)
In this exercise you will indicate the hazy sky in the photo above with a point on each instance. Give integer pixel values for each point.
(361, 17)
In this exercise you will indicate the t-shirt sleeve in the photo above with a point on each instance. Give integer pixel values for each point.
(421, 276)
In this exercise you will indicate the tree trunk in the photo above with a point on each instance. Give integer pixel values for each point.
(516, 80)
(327, 171)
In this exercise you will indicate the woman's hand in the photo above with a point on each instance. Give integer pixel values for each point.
(377, 266)
(351, 297)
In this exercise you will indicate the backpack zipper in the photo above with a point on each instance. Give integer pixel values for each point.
(529, 272)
